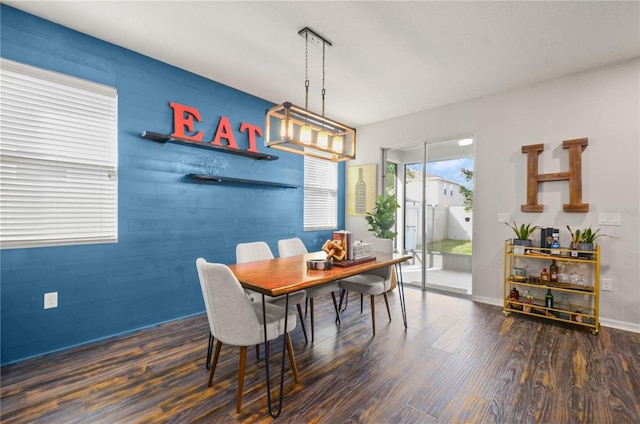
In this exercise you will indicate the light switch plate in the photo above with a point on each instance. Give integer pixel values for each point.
(50, 300)
(503, 217)
(607, 284)
(609, 219)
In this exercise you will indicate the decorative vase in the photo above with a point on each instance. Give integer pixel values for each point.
(519, 246)
(583, 248)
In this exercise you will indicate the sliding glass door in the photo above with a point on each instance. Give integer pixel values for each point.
(435, 190)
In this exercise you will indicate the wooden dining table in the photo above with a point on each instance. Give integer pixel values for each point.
(282, 276)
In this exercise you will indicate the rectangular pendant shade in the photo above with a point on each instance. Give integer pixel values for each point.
(296, 130)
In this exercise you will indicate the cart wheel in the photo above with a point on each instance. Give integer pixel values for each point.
(594, 332)
(506, 314)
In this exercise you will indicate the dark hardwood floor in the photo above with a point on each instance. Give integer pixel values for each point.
(459, 362)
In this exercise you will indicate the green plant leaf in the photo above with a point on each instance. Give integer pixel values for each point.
(383, 216)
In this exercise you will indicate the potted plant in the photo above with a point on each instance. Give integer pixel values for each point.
(522, 240)
(383, 217)
(583, 241)
(381, 221)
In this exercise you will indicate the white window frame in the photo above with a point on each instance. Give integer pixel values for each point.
(320, 194)
(58, 159)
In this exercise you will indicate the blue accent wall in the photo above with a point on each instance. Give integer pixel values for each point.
(165, 220)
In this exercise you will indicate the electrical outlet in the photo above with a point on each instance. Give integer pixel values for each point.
(50, 300)
(503, 217)
(607, 284)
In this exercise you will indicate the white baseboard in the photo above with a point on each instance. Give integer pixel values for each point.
(620, 325)
(605, 322)
(487, 300)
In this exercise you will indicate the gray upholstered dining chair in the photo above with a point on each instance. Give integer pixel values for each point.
(260, 251)
(372, 283)
(235, 320)
(293, 247)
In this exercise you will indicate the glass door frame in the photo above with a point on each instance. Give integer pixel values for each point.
(401, 187)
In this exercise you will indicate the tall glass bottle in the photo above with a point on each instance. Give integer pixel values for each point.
(548, 299)
(361, 194)
(553, 272)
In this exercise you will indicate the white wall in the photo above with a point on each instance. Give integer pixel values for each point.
(601, 104)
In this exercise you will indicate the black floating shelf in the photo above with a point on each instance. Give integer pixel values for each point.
(164, 138)
(228, 180)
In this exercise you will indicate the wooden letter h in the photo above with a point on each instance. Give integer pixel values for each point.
(574, 176)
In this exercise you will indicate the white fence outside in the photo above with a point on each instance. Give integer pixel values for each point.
(443, 222)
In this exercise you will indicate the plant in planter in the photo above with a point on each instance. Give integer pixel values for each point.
(381, 220)
(523, 232)
(383, 217)
(583, 240)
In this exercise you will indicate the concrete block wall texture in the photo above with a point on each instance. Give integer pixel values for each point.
(165, 219)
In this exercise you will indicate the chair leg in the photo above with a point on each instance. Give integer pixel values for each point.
(215, 361)
(344, 294)
(373, 314)
(386, 301)
(361, 298)
(336, 307)
(243, 363)
(306, 305)
(257, 352)
(209, 350)
(312, 321)
(304, 329)
(292, 358)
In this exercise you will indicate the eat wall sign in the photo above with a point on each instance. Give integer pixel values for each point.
(185, 132)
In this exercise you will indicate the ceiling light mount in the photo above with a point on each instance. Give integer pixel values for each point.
(297, 130)
(313, 37)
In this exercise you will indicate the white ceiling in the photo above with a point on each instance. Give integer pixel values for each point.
(389, 58)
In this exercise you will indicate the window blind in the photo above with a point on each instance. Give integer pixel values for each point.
(58, 159)
(320, 194)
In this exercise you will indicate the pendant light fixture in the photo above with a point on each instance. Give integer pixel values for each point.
(297, 130)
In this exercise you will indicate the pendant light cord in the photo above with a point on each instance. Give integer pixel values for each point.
(323, 90)
(306, 71)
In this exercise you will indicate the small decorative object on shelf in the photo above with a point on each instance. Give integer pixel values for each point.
(528, 300)
(553, 272)
(544, 276)
(514, 295)
(523, 232)
(548, 299)
(582, 241)
(578, 293)
(555, 243)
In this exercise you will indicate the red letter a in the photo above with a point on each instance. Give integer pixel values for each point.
(224, 131)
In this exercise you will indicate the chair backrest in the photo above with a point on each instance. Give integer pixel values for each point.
(232, 318)
(252, 252)
(291, 247)
(381, 245)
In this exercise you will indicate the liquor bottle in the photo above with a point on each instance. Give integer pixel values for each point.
(544, 276)
(548, 299)
(553, 272)
(528, 300)
(555, 243)
(361, 194)
(514, 294)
